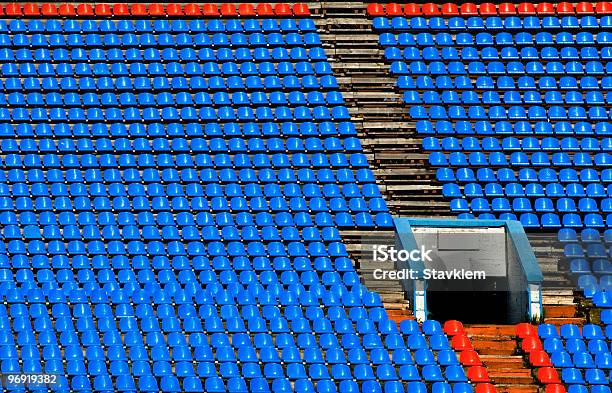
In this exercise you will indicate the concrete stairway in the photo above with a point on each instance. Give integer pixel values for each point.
(389, 138)
(393, 148)
(386, 133)
(497, 348)
(562, 307)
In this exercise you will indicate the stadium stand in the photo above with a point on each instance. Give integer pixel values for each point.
(182, 187)
(172, 195)
(512, 109)
(510, 103)
(570, 355)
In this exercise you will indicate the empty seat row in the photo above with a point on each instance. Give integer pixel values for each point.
(531, 190)
(488, 9)
(513, 113)
(541, 205)
(599, 267)
(513, 97)
(533, 220)
(170, 113)
(499, 68)
(503, 127)
(150, 41)
(491, 23)
(532, 177)
(507, 54)
(520, 158)
(516, 190)
(503, 82)
(150, 55)
(179, 83)
(150, 232)
(156, 68)
(500, 39)
(470, 143)
(225, 173)
(151, 138)
(588, 235)
(315, 198)
(172, 10)
(177, 130)
(592, 250)
(180, 99)
(336, 270)
(140, 202)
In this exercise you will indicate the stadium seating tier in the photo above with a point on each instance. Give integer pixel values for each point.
(171, 199)
(511, 104)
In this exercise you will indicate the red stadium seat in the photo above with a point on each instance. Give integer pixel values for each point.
(539, 359)
(246, 10)
(488, 9)
(555, 388)
(526, 9)
(301, 9)
(565, 8)
(470, 358)
(228, 9)
(507, 9)
(548, 375)
(85, 10)
(530, 344)
(603, 8)
(461, 343)
(156, 9)
(478, 374)
(450, 9)
(49, 9)
(412, 9)
(103, 10)
(192, 10)
(485, 388)
(174, 9)
(210, 10)
(584, 8)
(121, 9)
(283, 9)
(31, 9)
(375, 9)
(394, 9)
(525, 330)
(452, 328)
(139, 9)
(66, 9)
(13, 9)
(545, 9)
(264, 9)
(469, 9)
(430, 9)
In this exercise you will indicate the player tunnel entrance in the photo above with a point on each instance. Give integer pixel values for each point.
(474, 271)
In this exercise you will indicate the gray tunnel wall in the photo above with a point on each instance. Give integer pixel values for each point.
(497, 254)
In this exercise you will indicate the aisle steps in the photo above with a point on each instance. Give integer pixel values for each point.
(497, 348)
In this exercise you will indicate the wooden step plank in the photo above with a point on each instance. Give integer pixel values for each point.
(560, 311)
(516, 388)
(512, 379)
(564, 321)
(479, 330)
(498, 362)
